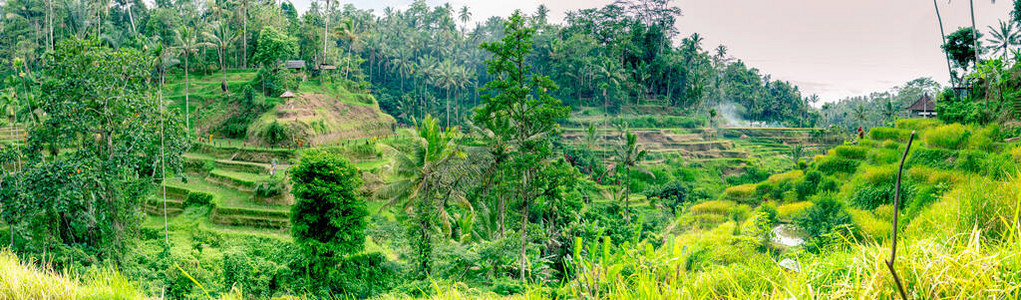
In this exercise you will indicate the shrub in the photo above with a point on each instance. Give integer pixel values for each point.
(275, 133)
(887, 133)
(916, 124)
(971, 161)
(786, 177)
(830, 165)
(791, 210)
(269, 188)
(868, 196)
(822, 217)
(868, 224)
(328, 216)
(198, 199)
(953, 136)
(851, 152)
(742, 193)
(933, 158)
(879, 175)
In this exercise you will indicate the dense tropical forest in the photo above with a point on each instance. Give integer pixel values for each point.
(239, 149)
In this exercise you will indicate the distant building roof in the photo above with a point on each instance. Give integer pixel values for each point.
(288, 94)
(294, 64)
(328, 67)
(923, 104)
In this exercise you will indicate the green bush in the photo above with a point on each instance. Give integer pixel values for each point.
(269, 188)
(953, 136)
(275, 133)
(851, 152)
(887, 133)
(916, 124)
(830, 165)
(823, 217)
(934, 158)
(198, 199)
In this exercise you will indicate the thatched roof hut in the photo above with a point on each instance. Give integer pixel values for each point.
(288, 94)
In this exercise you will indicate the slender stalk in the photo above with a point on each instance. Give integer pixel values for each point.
(896, 212)
(944, 35)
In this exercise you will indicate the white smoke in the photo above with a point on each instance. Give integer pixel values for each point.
(730, 113)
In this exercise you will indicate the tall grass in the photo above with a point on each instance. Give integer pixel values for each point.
(20, 280)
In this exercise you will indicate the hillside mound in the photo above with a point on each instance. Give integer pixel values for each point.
(320, 119)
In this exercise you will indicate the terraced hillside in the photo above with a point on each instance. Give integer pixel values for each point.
(704, 143)
(244, 188)
(321, 114)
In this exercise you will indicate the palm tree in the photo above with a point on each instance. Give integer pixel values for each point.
(860, 114)
(221, 38)
(464, 16)
(796, 153)
(1003, 37)
(187, 43)
(427, 176)
(629, 155)
(944, 35)
(326, 28)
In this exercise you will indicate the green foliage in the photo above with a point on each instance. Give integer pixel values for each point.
(951, 109)
(960, 46)
(273, 47)
(92, 160)
(886, 133)
(830, 165)
(825, 215)
(952, 136)
(328, 216)
(198, 199)
(269, 188)
(851, 152)
(276, 133)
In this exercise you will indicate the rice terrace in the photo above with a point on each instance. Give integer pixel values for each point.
(420, 149)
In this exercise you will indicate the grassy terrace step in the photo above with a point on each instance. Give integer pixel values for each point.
(250, 217)
(243, 167)
(236, 180)
(154, 206)
(249, 154)
(222, 196)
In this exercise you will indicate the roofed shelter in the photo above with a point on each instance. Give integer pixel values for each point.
(925, 107)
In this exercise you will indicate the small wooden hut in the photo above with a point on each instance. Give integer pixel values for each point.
(923, 108)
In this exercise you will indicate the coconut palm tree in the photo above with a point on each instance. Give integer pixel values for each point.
(221, 37)
(464, 16)
(187, 43)
(1002, 38)
(629, 155)
(427, 175)
(944, 35)
(860, 114)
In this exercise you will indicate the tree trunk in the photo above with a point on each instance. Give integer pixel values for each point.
(524, 226)
(244, 37)
(326, 28)
(944, 35)
(187, 92)
(974, 34)
(627, 196)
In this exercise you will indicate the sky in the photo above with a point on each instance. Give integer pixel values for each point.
(834, 49)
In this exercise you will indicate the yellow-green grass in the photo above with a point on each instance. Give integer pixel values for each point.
(22, 280)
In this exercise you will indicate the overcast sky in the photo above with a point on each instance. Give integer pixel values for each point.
(831, 48)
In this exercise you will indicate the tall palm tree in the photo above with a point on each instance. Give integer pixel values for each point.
(326, 28)
(944, 35)
(221, 37)
(187, 43)
(464, 16)
(860, 114)
(427, 176)
(629, 155)
(1002, 38)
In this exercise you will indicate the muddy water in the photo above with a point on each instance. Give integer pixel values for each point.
(786, 235)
